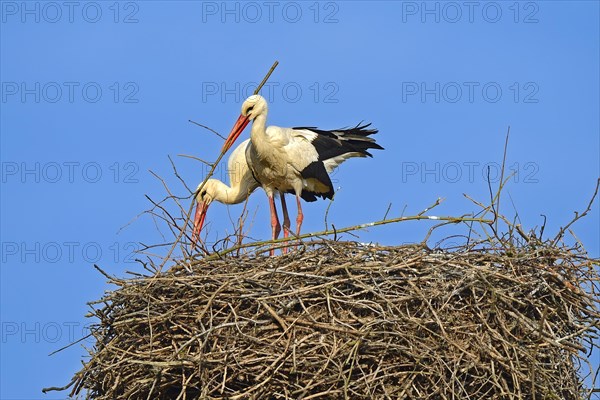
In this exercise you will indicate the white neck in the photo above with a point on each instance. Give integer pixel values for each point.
(234, 194)
(259, 126)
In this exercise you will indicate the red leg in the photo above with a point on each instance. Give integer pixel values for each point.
(286, 217)
(275, 228)
(286, 220)
(300, 217)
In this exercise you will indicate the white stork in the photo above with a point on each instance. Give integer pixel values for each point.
(295, 160)
(242, 185)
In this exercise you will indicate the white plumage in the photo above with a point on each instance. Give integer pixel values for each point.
(295, 160)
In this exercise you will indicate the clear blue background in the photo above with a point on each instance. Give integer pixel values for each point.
(158, 64)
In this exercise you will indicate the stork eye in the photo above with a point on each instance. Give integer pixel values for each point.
(249, 110)
(203, 193)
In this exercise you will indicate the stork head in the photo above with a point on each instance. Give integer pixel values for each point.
(254, 106)
(203, 200)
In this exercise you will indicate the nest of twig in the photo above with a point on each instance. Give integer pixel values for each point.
(347, 320)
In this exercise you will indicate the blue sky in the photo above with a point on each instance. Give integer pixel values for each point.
(96, 94)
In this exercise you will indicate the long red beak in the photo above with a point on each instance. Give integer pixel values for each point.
(237, 130)
(201, 208)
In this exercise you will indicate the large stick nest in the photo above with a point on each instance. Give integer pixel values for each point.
(345, 320)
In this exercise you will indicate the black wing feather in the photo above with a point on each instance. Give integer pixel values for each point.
(316, 170)
(330, 144)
